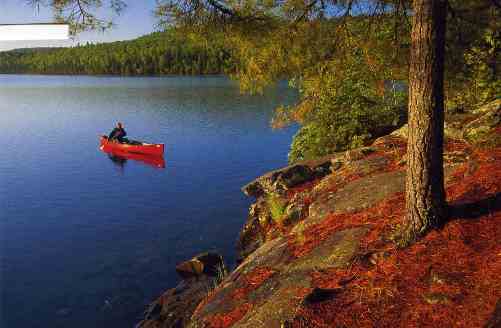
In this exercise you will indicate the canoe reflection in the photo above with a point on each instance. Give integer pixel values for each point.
(120, 157)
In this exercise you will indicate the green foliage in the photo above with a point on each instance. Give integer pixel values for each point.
(473, 53)
(159, 53)
(480, 82)
(335, 127)
(277, 207)
(339, 66)
(350, 99)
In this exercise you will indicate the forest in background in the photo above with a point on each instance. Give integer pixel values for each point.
(159, 53)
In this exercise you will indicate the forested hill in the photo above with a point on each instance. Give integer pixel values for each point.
(158, 53)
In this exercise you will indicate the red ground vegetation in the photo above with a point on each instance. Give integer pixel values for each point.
(381, 217)
(351, 176)
(455, 145)
(227, 319)
(239, 297)
(392, 149)
(450, 278)
(210, 296)
(252, 281)
(390, 212)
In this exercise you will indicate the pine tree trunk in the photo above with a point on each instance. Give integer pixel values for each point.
(425, 194)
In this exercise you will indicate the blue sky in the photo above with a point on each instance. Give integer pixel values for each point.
(137, 20)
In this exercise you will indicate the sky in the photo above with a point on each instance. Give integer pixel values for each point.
(136, 20)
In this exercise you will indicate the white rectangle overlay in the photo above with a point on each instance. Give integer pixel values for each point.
(34, 32)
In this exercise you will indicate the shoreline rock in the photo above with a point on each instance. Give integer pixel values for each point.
(317, 244)
(173, 309)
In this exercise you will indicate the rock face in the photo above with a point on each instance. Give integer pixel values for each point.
(281, 180)
(480, 130)
(312, 223)
(271, 191)
(253, 233)
(205, 264)
(317, 249)
(174, 308)
(269, 280)
(476, 127)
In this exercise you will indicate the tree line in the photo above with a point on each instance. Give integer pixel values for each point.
(159, 53)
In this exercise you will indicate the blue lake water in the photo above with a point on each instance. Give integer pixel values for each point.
(87, 242)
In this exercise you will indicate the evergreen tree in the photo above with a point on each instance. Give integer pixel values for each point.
(425, 193)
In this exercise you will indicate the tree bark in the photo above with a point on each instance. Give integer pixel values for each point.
(425, 193)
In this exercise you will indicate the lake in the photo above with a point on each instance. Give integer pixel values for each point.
(87, 241)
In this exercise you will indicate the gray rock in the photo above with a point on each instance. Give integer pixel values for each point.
(210, 264)
(175, 307)
(357, 154)
(293, 176)
(280, 306)
(480, 130)
(359, 194)
(253, 233)
(278, 181)
(403, 132)
(337, 251)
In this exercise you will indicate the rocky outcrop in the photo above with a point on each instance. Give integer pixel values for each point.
(279, 181)
(383, 163)
(205, 264)
(200, 275)
(275, 204)
(480, 129)
(475, 127)
(267, 283)
(318, 250)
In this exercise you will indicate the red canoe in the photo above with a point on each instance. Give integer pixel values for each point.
(156, 161)
(143, 148)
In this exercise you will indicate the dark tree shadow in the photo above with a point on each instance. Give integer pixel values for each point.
(475, 210)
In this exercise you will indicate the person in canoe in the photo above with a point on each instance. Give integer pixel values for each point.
(118, 134)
